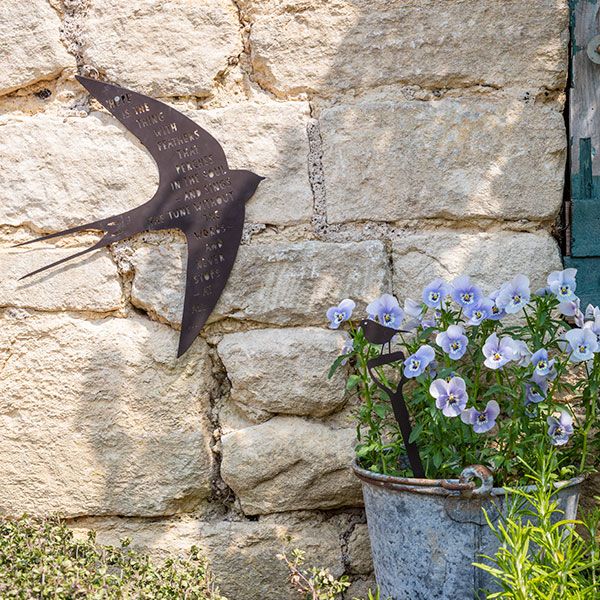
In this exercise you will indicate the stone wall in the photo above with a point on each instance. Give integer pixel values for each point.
(401, 140)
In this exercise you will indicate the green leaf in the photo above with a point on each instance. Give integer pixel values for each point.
(352, 382)
(381, 410)
(336, 364)
(415, 433)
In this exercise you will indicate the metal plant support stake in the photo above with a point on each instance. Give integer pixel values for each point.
(197, 193)
(376, 333)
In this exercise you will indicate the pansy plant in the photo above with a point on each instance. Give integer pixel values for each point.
(488, 378)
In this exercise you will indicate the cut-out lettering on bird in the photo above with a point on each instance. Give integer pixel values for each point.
(197, 194)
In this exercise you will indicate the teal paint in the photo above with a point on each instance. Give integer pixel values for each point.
(585, 205)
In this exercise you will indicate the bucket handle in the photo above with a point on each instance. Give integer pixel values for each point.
(482, 473)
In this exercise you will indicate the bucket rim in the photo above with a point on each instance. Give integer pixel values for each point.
(440, 487)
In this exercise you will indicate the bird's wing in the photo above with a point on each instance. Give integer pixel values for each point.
(212, 248)
(177, 144)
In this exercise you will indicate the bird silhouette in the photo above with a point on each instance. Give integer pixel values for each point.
(197, 194)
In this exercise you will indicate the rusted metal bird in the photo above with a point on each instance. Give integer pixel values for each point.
(197, 193)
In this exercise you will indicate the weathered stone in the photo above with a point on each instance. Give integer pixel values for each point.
(359, 558)
(242, 555)
(284, 371)
(30, 46)
(274, 144)
(100, 418)
(90, 282)
(186, 45)
(57, 173)
(325, 46)
(288, 463)
(489, 258)
(447, 158)
(279, 283)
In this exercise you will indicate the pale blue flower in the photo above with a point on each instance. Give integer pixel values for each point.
(560, 429)
(542, 365)
(563, 284)
(498, 352)
(496, 313)
(592, 322)
(572, 308)
(521, 353)
(415, 364)
(413, 311)
(582, 344)
(435, 293)
(464, 292)
(387, 311)
(536, 393)
(480, 312)
(340, 313)
(450, 396)
(453, 341)
(347, 348)
(481, 421)
(514, 295)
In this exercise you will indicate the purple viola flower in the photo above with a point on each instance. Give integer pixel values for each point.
(480, 312)
(415, 364)
(594, 325)
(582, 343)
(560, 429)
(450, 396)
(542, 365)
(340, 313)
(563, 284)
(464, 292)
(347, 348)
(453, 341)
(514, 295)
(435, 293)
(536, 391)
(496, 313)
(414, 313)
(522, 354)
(481, 421)
(387, 311)
(498, 352)
(543, 291)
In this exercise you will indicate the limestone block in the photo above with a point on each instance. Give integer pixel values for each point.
(489, 258)
(242, 555)
(387, 160)
(270, 139)
(325, 46)
(169, 48)
(98, 417)
(30, 46)
(288, 463)
(279, 283)
(90, 282)
(57, 173)
(359, 550)
(284, 370)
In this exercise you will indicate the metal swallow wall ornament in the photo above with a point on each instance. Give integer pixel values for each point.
(197, 193)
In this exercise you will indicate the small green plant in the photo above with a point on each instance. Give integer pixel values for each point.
(543, 556)
(41, 558)
(314, 583)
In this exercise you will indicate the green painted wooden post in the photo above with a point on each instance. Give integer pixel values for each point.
(583, 208)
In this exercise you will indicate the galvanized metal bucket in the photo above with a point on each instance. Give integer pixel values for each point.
(426, 534)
